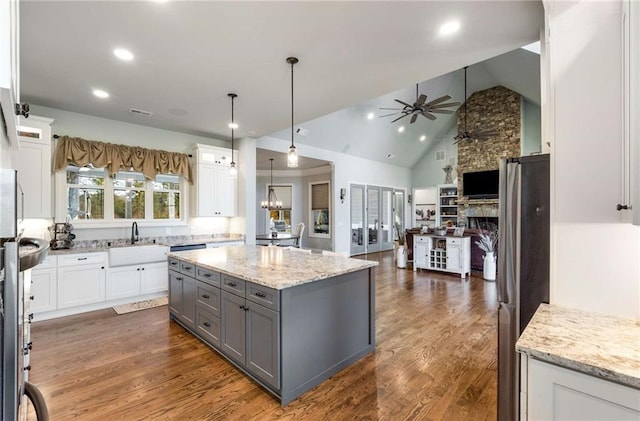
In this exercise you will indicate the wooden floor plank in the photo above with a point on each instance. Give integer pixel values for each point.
(435, 359)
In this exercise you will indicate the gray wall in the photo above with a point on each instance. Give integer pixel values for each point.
(428, 172)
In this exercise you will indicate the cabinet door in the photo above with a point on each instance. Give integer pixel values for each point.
(189, 301)
(78, 285)
(153, 278)
(420, 253)
(454, 258)
(123, 282)
(555, 393)
(175, 292)
(44, 287)
(263, 344)
(225, 196)
(206, 195)
(34, 175)
(233, 319)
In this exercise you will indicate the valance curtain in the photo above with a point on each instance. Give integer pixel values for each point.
(150, 162)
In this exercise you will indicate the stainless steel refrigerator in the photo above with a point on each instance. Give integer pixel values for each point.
(523, 265)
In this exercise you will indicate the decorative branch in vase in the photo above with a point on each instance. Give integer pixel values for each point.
(487, 243)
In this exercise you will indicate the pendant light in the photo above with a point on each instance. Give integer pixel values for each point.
(272, 201)
(292, 157)
(233, 171)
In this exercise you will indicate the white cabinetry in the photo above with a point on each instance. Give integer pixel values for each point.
(33, 162)
(556, 393)
(130, 281)
(447, 205)
(81, 279)
(446, 254)
(634, 105)
(44, 286)
(214, 190)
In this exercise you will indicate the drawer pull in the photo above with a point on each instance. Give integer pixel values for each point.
(207, 324)
(232, 284)
(205, 296)
(187, 268)
(261, 294)
(174, 263)
(82, 258)
(207, 275)
(180, 278)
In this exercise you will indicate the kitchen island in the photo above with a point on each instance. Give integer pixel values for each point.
(286, 318)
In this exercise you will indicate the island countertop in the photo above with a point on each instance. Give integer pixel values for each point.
(273, 267)
(604, 346)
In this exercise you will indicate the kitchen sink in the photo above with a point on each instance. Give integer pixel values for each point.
(133, 255)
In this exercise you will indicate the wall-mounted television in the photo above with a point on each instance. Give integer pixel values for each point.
(480, 184)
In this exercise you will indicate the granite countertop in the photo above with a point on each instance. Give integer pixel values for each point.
(90, 246)
(604, 346)
(273, 267)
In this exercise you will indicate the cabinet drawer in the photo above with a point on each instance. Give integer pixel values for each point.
(265, 296)
(454, 241)
(208, 276)
(174, 264)
(48, 263)
(187, 268)
(233, 285)
(82, 259)
(208, 326)
(420, 239)
(208, 297)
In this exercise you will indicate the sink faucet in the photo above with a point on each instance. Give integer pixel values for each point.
(134, 232)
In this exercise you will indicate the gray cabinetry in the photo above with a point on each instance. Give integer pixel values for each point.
(233, 327)
(262, 346)
(182, 297)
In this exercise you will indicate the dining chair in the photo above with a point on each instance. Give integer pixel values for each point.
(299, 230)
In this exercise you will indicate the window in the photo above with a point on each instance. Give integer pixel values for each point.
(320, 201)
(92, 196)
(280, 219)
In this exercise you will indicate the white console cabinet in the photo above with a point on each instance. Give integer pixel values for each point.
(557, 393)
(214, 190)
(446, 254)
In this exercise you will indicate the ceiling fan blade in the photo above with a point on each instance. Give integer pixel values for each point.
(387, 115)
(421, 99)
(439, 100)
(384, 108)
(403, 103)
(413, 118)
(442, 111)
(393, 121)
(428, 115)
(448, 104)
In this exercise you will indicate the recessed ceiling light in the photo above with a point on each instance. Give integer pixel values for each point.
(423, 138)
(450, 27)
(100, 93)
(370, 116)
(400, 129)
(123, 54)
(233, 125)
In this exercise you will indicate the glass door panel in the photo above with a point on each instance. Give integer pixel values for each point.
(357, 220)
(385, 231)
(373, 219)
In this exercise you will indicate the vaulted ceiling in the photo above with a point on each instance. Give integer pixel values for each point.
(189, 55)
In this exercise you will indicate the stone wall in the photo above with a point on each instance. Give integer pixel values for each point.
(497, 109)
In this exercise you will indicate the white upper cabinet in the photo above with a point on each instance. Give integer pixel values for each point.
(633, 81)
(214, 191)
(33, 162)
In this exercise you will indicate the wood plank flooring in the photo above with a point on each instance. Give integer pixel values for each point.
(435, 359)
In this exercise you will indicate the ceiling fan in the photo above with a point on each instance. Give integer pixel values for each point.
(420, 108)
(474, 134)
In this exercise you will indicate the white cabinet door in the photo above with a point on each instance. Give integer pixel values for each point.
(78, 285)
(206, 184)
(454, 257)
(215, 191)
(153, 278)
(556, 393)
(225, 192)
(123, 282)
(44, 287)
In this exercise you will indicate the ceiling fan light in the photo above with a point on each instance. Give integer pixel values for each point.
(400, 129)
(292, 157)
(423, 138)
(370, 116)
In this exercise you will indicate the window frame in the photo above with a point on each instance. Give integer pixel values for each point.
(109, 221)
(311, 221)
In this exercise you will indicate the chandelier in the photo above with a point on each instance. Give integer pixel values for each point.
(272, 201)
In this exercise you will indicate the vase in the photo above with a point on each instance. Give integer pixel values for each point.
(489, 267)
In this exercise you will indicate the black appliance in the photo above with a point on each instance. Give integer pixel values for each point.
(523, 265)
(183, 247)
(481, 184)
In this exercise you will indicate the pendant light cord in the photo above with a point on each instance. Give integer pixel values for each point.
(233, 97)
(292, 63)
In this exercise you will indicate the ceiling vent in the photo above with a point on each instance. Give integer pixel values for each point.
(440, 155)
(141, 112)
(302, 132)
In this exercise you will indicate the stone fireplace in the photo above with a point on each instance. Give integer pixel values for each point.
(497, 109)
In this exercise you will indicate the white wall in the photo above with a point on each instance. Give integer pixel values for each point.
(428, 172)
(347, 169)
(531, 128)
(594, 249)
(112, 131)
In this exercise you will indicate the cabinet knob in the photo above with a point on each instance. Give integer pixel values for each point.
(207, 324)
(260, 294)
(32, 298)
(142, 268)
(27, 368)
(205, 296)
(179, 278)
(232, 284)
(620, 207)
(207, 275)
(138, 269)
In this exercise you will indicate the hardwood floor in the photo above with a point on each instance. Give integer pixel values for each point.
(435, 359)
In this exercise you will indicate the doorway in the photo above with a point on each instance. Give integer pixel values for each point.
(382, 208)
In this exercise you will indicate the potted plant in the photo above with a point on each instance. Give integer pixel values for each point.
(487, 243)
